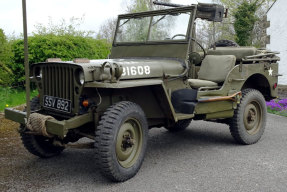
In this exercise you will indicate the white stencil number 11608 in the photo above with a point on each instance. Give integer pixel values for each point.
(136, 70)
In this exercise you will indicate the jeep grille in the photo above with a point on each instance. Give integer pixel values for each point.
(58, 81)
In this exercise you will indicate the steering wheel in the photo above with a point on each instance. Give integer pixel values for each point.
(204, 52)
(182, 35)
(178, 35)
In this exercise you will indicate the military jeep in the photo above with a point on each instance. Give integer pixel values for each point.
(155, 77)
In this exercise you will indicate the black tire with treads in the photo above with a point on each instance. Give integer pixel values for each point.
(36, 144)
(224, 43)
(117, 118)
(248, 123)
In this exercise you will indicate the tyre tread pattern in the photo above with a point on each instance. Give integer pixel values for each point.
(105, 135)
(35, 144)
(224, 43)
(235, 122)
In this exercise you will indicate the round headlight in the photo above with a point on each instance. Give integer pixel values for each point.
(81, 77)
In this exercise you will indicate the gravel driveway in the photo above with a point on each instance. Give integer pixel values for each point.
(202, 158)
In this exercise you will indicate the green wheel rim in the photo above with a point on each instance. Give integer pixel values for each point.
(129, 142)
(253, 117)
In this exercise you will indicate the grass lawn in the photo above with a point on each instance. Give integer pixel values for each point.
(281, 113)
(10, 97)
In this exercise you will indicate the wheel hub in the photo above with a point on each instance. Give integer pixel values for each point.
(129, 143)
(252, 117)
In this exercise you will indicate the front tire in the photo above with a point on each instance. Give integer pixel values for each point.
(36, 144)
(249, 120)
(40, 146)
(121, 141)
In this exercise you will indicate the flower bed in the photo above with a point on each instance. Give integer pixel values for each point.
(277, 106)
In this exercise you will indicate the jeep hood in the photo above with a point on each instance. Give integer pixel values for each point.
(136, 68)
(132, 68)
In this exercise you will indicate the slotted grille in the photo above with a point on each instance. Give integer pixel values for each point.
(58, 81)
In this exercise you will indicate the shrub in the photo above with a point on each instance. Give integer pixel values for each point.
(6, 58)
(67, 47)
(62, 40)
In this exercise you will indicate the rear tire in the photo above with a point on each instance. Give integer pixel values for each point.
(36, 144)
(121, 141)
(249, 120)
(224, 43)
(181, 125)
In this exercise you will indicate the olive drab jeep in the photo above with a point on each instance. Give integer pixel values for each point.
(155, 77)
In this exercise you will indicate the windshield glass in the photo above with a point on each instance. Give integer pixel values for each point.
(153, 28)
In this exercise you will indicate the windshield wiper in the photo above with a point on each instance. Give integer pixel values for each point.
(159, 20)
(124, 23)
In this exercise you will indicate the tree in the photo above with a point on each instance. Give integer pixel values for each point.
(259, 32)
(245, 19)
(226, 29)
(107, 30)
(139, 5)
(144, 5)
(70, 27)
(6, 56)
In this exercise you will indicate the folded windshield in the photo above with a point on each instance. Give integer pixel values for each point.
(153, 28)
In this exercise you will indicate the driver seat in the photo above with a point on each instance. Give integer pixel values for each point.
(214, 69)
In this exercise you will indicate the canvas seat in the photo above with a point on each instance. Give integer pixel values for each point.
(213, 70)
(238, 52)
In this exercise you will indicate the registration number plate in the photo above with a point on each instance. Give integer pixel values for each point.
(58, 104)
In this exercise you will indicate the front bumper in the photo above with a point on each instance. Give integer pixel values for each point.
(54, 127)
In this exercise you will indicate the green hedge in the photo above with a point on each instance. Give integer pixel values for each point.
(67, 47)
(6, 59)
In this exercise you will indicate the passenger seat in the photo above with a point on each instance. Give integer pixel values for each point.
(213, 70)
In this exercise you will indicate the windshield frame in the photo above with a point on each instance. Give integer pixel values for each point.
(151, 14)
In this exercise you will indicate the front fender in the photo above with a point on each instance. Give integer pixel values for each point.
(125, 84)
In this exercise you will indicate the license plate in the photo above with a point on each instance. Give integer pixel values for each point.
(57, 104)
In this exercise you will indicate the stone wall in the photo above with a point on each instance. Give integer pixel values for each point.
(282, 91)
(277, 16)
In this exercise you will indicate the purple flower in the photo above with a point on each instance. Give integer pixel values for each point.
(283, 102)
(276, 105)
